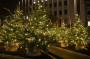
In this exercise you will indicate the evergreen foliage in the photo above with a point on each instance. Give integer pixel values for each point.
(79, 34)
(38, 31)
(29, 33)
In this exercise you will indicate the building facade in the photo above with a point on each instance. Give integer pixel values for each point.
(83, 8)
(61, 10)
(65, 10)
(87, 10)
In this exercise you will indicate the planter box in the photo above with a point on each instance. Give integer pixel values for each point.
(12, 47)
(5, 56)
(33, 52)
(67, 54)
(10, 56)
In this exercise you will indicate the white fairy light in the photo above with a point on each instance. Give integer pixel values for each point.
(38, 1)
(88, 23)
(27, 17)
(34, 2)
(42, 1)
(39, 40)
(45, 0)
(26, 34)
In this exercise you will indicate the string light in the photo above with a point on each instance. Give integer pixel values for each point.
(88, 23)
(34, 2)
(45, 0)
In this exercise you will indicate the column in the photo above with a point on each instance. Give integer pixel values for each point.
(75, 6)
(82, 11)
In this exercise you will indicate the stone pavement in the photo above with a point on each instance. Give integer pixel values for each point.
(67, 54)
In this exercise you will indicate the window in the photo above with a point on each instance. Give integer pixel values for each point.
(30, 9)
(50, 5)
(65, 2)
(30, 2)
(88, 12)
(60, 4)
(60, 12)
(65, 12)
(55, 4)
(55, 13)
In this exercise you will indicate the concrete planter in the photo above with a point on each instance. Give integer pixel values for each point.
(33, 52)
(67, 54)
(5, 56)
(12, 47)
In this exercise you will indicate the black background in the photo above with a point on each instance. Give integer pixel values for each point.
(7, 4)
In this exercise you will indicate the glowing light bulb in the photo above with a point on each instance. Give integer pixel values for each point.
(34, 2)
(88, 23)
(45, 0)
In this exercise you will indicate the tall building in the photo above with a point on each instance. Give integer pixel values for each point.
(26, 6)
(83, 8)
(87, 10)
(61, 10)
(65, 10)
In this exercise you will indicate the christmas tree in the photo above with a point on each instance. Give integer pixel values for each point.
(31, 32)
(79, 34)
(41, 24)
(62, 34)
(12, 29)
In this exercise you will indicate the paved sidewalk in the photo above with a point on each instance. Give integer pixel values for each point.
(67, 54)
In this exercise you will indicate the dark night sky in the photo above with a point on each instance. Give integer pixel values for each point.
(8, 4)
